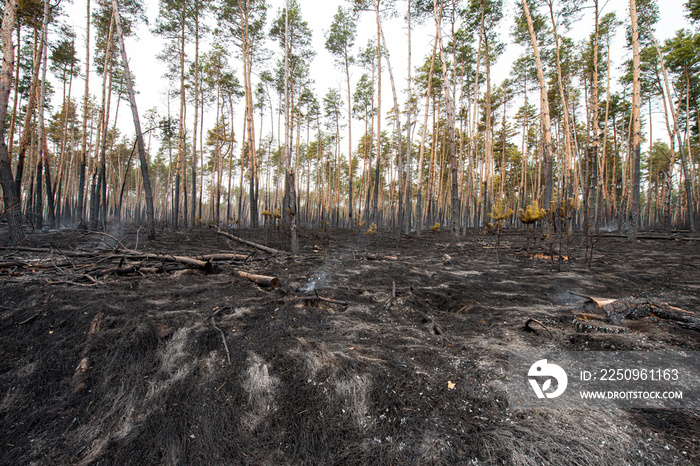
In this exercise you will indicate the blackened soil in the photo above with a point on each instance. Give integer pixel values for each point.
(410, 370)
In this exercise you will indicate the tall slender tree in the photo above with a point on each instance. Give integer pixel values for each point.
(548, 146)
(245, 20)
(636, 121)
(150, 221)
(11, 201)
(339, 41)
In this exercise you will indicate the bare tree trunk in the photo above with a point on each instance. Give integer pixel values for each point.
(594, 194)
(250, 134)
(83, 145)
(150, 223)
(636, 119)
(565, 107)
(290, 178)
(396, 116)
(544, 109)
(43, 155)
(29, 113)
(408, 189)
(196, 114)
(375, 200)
(180, 176)
(11, 201)
(450, 123)
(98, 173)
(419, 200)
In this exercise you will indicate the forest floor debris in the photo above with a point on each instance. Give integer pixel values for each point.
(351, 360)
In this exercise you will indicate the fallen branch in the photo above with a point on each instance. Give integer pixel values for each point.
(224, 257)
(50, 250)
(377, 257)
(306, 299)
(126, 271)
(262, 280)
(107, 235)
(272, 251)
(11, 263)
(530, 329)
(30, 318)
(223, 338)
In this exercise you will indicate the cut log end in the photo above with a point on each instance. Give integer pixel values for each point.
(262, 280)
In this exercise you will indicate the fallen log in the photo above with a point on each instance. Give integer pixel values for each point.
(272, 251)
(78, 380)
(262, 280)
(224, 257)
(188, 261)
(638, 308)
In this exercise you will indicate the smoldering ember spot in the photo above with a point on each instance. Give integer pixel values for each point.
(271, 233)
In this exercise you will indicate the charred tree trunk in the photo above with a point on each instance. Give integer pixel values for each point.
(11, 201)
(636, 122)
(150, 223)
(83, 145)
(544, 110)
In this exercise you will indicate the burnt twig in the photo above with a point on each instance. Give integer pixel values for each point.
(223, 337)
(530, 329)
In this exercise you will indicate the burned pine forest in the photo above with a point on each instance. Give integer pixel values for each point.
(250, 232)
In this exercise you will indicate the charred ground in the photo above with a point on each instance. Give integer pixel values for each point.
(411, 376)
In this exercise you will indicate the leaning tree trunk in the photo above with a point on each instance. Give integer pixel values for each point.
(150, 223)
(676, 131)
(28, 115)
(42, 134)
(12, 211)
(398, 122)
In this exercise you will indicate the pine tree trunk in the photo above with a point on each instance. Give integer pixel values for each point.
(42, 134)
(421, 154)
(548, 152)
(290, 181)
(409, 186)
(450, 125)
(28, 115)
(193, 209)
(83, 146)
(11, 200)
(150, 223)
(636, 121)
